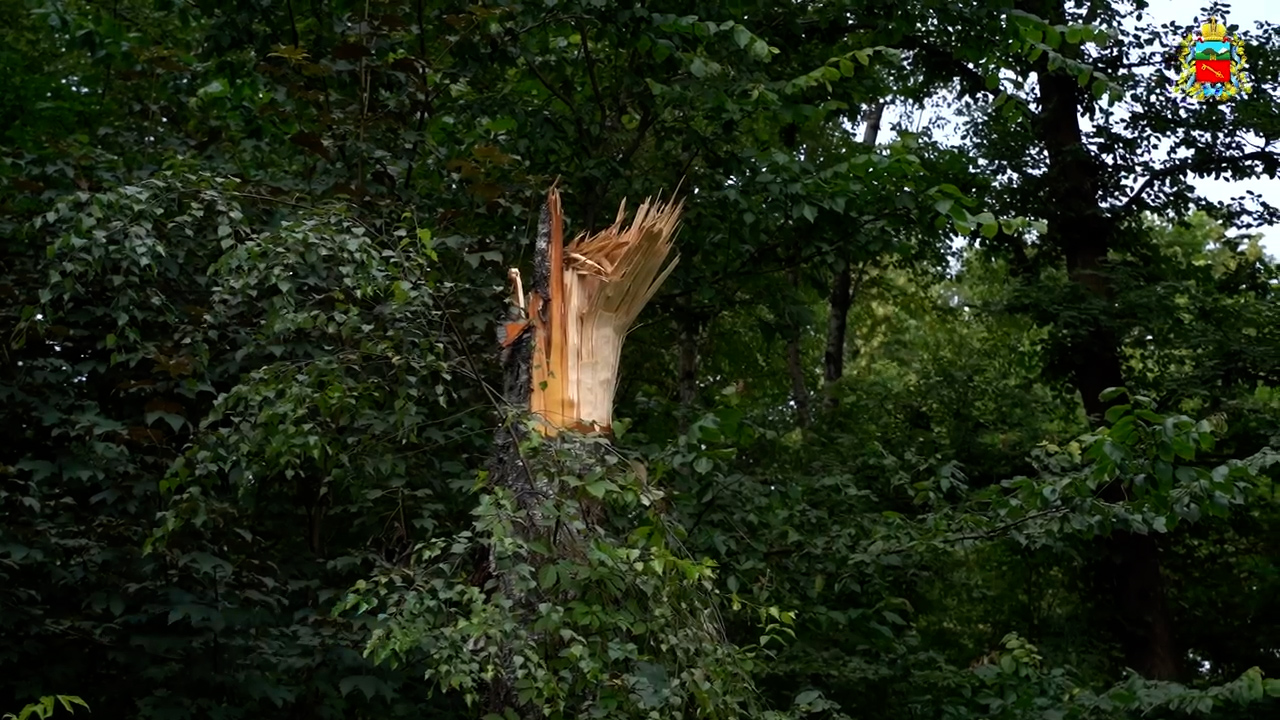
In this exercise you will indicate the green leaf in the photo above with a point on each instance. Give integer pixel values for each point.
(1123, 698)
(1185, 474)
(1053, 38)
(808, 697)
(1123, 429)
(1151, 417)
(760, 50)
(216, 88)
(367, 684)
(1182, 447)
(547, 576)
(1112, 393)
(1116, 412)
(174, 421)
(600, 488)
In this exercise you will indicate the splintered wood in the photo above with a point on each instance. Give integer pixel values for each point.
(596, 288)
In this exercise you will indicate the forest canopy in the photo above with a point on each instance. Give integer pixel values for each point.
(977, 417)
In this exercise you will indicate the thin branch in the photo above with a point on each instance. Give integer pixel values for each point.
(293, 22)
(550, 19)
(646, 121)
(1001, 529)
(972, 82)
(591, 72)
(547, 82)
(577, 121)
(1198, 166)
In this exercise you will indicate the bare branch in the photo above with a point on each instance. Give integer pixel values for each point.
(1199, 166)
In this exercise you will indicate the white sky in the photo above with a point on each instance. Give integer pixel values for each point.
(1246, 14)
(1187, 13)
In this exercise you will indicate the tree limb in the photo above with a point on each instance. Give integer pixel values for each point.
(591, 73)
(1199, 166)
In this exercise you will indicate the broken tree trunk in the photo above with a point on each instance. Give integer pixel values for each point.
(584, 299)
(561, 351)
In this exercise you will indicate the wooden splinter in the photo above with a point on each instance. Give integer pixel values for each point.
(582, 303)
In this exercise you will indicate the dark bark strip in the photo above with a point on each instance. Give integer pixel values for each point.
(795, 364)
(844, 293)
(508, 468)
(843, 288)
(874, 115)
(1127, 565)
(799, 392)
(837, 324)
(687, 373)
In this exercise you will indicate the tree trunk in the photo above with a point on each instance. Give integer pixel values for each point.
(843, 287)
(561, 349)
(799, 391)
(1128, 565)
(875, 114)
(837, 324)
(844, 292)
(795, 362)
(687, 372)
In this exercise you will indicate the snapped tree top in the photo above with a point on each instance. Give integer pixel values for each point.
(583, 302)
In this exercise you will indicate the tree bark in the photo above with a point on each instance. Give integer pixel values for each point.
(560, 357)
(844, 292)
(1127, 566)
(508, 468)
(687, 372)
(843, 287)
(799, 391)
(837, 324)
(795, 359)
(874, 115)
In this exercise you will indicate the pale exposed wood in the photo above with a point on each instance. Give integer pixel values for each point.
(598, 286)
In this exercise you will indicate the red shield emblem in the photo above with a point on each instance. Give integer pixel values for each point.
(1213, 71)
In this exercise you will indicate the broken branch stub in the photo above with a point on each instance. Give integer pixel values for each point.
(583, 302)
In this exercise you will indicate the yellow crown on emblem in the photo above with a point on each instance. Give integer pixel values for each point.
(1213, 30)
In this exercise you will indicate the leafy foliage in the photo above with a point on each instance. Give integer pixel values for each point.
(255, 259)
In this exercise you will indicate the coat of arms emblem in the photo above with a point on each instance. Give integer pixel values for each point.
(1213, 65)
